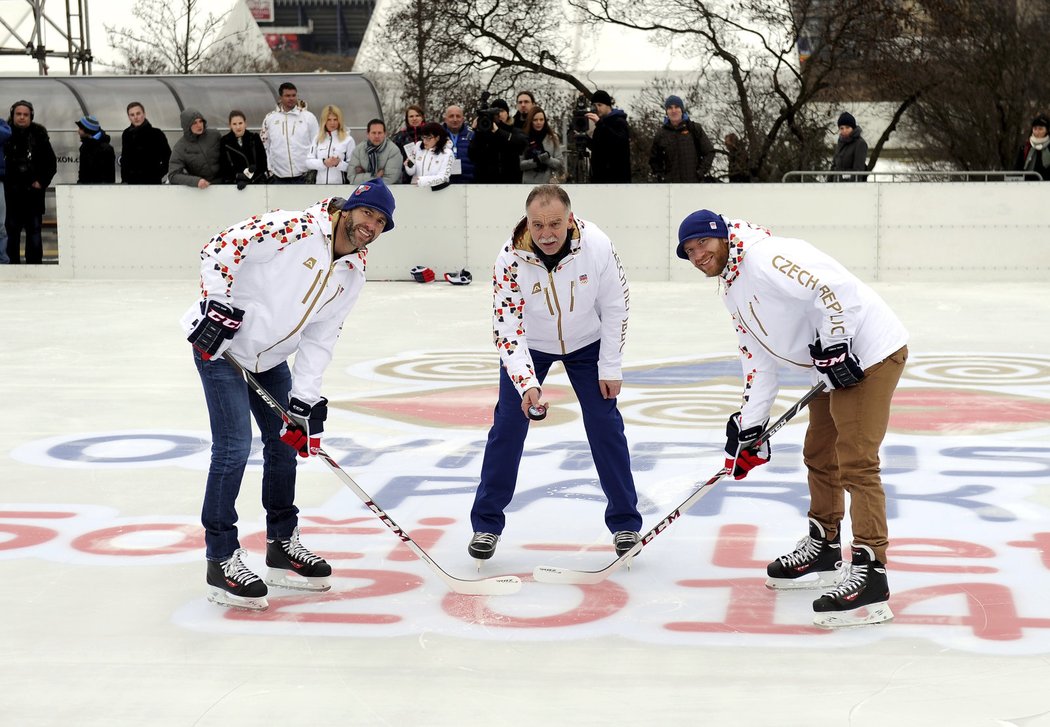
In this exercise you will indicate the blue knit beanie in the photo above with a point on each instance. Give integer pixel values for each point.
(89, 124)
(675, 101)
(375, 195)
(846, 119)
(702, 223)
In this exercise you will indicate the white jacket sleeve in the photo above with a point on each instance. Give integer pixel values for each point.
(761, 381)
(508, 322)
(613, 309)
(439, 170)
(227, 253)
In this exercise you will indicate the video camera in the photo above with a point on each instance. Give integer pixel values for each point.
(580, 123)
(487, 115)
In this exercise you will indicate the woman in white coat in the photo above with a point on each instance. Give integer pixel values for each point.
(331, 151)
(431, 164)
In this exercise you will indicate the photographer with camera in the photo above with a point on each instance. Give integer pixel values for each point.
(610, 141)
(242, 156)
(542, 159)
(497, 146)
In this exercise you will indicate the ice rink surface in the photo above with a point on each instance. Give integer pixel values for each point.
(104, 453)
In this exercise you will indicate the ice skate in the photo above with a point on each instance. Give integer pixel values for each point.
(860, 599)
(816, 562)
(234, 585)
(293, 566)
(482, 547)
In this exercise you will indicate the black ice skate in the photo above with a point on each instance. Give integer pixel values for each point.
(624, 540)
(234, 585)
(482, 546)
(816, 562)
(860, 599)
(293, 566)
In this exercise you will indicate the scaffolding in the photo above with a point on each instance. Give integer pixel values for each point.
(26, 36)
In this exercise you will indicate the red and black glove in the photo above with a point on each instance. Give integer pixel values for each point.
(217, 324)
(422, 274)
(303, 431)
(741, 458)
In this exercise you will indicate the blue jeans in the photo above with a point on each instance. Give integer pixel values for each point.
(602, 423)
(231, 407)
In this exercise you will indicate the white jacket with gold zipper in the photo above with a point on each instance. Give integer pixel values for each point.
(279, 268)
(584, 299)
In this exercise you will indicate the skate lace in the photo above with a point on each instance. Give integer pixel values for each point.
(296, 550)
(484, 539)
(805, 550)
(858, 576)
(625, 537)
(237, 571)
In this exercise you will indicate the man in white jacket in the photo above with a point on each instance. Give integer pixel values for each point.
(794, 306)
(288, 133)
(272, 286)
(560, 294)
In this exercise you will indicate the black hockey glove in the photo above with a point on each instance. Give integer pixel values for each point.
(741, 458)
(303, 432)
(217, 324)
(837, 363)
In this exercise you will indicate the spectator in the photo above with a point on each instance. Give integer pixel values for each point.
(98, 161)
(525, 101)
(195, 158)
(1034, 155)
(542, 160)
(144, 150)
(610, 141)
(253, 276)
(431, 162)
(496, 147)
(242, 156)
(330, 153)
(681, 151)
(287, 133)
(738, 159)
(408, 135)
(460, 134)
(377, 158)
(851, 153)
(31, 165)
(5, 134)
(552, 255)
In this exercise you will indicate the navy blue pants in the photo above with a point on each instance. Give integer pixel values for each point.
(601, 421)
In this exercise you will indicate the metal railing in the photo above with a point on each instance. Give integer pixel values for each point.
(991, 175)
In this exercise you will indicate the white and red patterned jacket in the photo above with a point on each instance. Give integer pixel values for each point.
(584, 299)
(279, 268)
(782, 293)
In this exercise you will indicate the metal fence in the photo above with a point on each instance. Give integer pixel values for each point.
(990, 175)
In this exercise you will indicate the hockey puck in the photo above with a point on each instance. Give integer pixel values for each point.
(537, 413)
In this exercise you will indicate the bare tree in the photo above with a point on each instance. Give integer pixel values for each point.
(176, 36)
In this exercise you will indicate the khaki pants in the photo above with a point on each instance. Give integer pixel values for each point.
(841, 452)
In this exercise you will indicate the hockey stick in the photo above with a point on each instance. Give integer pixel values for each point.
(554, 574)
(495, 586)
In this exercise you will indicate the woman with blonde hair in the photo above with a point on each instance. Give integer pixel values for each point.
(330, 153)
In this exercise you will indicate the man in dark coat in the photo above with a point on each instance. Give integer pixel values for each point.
(851, 153)
(610, 142)
(195, 158)
(496, 147)
(144, 149)
(31, 165)
(97, 158)
(681, 150)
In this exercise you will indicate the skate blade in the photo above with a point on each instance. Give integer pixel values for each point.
(221, 598)
(281, 578)
(825, 580)
(876, 613)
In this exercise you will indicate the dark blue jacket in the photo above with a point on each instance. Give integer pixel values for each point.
(460, 147)
(5, 134)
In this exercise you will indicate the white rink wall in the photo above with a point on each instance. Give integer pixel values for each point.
(890, 232)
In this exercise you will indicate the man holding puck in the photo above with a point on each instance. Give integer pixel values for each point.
(559, 294)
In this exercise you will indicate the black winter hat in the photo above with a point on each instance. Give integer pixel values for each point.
(603, 97)
(846, 119)
(500, 104)
(1041, 120)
